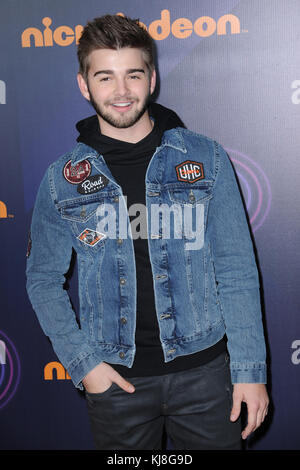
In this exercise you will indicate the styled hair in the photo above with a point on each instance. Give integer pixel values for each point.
(113, 32)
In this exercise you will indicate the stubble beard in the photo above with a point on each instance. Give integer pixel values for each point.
(123, 122)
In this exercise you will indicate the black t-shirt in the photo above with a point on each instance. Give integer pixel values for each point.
(128, 164)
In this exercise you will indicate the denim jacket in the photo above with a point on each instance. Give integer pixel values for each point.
(204, 272)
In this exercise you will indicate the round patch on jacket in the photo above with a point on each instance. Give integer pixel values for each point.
(78, 173)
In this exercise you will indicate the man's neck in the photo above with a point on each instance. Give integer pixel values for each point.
(131, 134)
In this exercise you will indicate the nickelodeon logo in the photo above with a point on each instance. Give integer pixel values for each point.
(3, 210)
(58, 368)
(180, 28)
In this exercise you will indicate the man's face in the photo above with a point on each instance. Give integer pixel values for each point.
(118, 86)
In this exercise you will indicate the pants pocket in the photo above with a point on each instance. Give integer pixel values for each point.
(93, 398)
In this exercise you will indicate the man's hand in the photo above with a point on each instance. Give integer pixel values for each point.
(256, 398)
(99, 379)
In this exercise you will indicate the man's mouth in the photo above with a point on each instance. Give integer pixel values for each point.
(122, 105)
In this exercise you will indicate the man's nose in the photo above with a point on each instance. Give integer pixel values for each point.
(121, 87)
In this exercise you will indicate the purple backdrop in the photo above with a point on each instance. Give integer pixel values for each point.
(234, 76)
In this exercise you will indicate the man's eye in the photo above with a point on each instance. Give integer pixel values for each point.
(134, 77)
(104, 79)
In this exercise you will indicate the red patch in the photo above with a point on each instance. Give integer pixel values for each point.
(78, 173)
(189, 171)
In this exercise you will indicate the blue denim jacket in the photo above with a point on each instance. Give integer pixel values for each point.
(204, 272)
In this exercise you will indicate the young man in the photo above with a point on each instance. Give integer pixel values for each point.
(160, 292)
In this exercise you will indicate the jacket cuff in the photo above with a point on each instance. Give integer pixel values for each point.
(253, 372)
(78, 369)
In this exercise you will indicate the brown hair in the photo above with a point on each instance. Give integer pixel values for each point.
(114, 32)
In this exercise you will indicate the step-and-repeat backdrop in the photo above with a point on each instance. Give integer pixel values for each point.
(231, 71)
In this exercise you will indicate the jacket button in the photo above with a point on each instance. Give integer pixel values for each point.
(119, 241)
(122, 281)
(123, 320)
(116, 199)
(122, 355)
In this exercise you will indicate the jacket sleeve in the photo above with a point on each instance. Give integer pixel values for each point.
(47, 263)
(236, 276)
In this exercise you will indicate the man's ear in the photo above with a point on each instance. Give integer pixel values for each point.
(83, 86)
(152, 81)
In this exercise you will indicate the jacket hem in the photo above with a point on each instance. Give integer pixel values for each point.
(190, 345)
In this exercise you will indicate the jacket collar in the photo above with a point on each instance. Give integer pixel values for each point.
(174, 138)
(83, 152)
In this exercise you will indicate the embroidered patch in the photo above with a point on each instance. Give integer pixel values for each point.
(92, 184)
(190, 171)
(78, 173)
(91, 237)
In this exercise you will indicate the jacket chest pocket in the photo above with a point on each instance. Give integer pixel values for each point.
(83, 220)
(190, 195)
(80, 214)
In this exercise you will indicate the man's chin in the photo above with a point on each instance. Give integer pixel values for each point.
(123, 122)
(120, 124)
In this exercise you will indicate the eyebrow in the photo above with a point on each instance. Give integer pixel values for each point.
(110, 72)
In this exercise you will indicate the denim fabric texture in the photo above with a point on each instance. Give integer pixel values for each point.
(205, 286)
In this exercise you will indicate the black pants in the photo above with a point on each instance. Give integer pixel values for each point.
(192, 406)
